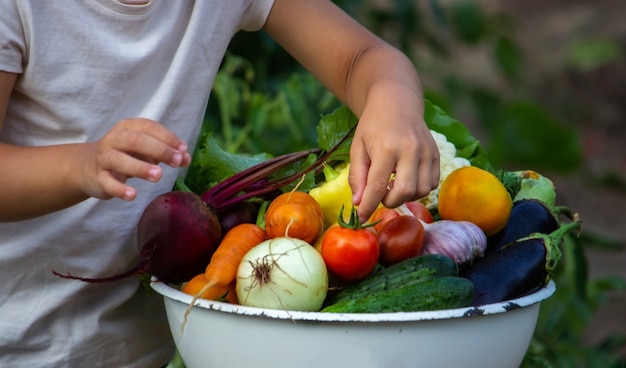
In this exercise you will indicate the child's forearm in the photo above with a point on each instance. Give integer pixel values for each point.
(349, 60)
(37, 180)
(34, 180)
(382, 75)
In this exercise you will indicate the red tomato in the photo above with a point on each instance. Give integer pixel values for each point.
(350, 254)
(419, 210)
(401, 238)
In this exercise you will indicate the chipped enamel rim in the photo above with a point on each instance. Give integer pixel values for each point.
(174, 294)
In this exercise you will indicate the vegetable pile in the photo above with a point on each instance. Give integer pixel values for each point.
(281, 233)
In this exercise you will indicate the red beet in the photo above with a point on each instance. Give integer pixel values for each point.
(179, 218)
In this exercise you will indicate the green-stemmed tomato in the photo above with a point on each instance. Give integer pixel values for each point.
(350, 254)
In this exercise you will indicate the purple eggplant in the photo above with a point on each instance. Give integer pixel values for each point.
(528, 216)
(519, 268)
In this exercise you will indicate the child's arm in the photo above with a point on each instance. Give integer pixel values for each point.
(39, 180)
(379, 84)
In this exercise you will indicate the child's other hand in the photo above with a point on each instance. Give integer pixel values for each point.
(132, 148)
(392, 139)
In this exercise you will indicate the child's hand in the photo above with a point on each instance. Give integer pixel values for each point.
(132, 148)
(392, 139)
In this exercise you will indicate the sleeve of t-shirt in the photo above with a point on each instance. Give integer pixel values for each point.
(255, 14)
(12, 43)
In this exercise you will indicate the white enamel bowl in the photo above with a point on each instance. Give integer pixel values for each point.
(222, 335)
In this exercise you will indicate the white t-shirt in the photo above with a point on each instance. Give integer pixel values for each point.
(84, 65)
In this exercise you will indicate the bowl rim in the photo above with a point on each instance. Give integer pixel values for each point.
(169, 292)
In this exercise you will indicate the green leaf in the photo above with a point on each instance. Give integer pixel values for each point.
(332, 128)
(508, 58)
(527, 136)
(511, 180)
(468, 21)
(467, 146)
(180, 185)
(587, 55)
(212, 164)
(306, 183)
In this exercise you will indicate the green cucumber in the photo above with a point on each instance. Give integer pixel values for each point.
(397, 275)
(432, 293)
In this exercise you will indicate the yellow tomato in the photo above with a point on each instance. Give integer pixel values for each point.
(475, 195)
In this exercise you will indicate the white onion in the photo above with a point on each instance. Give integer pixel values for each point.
(282, 273)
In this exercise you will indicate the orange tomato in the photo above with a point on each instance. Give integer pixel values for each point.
(294, 214)
(475, 195)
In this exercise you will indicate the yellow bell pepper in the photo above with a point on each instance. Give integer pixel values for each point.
(334, 193)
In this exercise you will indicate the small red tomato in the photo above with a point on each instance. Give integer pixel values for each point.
(401, 238)
(350, 254)
(419, 210)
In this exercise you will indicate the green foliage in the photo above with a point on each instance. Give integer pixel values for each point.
(527, 136)
(276, 118)
(508, 58)
(211, 164)
(466, 145)
(588, 54)
(564, 316)
(468, 21)
(332, 128)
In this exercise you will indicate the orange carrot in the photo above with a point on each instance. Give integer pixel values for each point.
(295, 214)
(193, 286)
(231, 294)
(197, 283)
(221, 272)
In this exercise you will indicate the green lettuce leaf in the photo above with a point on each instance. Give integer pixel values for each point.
(332, 128)
(466, 145)
(211, 164)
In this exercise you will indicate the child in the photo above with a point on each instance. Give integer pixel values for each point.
(100, 101)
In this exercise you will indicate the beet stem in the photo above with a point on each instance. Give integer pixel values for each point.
(137, 270)
(269, 185)
(224, 194)
(239, 181)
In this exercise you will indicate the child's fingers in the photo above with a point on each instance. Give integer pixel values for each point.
(413, 180)
(132, 148)
(150, 142)
(414, 163)
(357, 176)
(112, 186)
(125, 166)
(156, 130)
(369, 182)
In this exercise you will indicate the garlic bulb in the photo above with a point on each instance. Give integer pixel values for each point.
(463, 241)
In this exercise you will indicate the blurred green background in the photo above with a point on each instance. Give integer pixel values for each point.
(541, 84)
